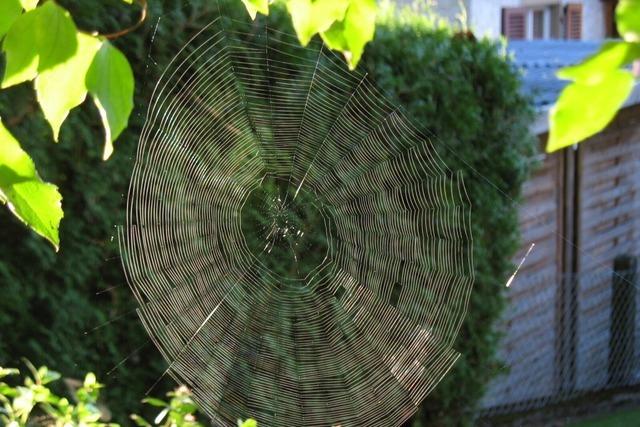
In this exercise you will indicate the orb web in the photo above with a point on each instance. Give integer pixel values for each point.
(299, 252)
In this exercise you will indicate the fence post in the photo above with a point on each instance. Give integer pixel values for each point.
(623, 320)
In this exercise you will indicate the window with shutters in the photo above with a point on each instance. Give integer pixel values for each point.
(514, 23)
(573, 21)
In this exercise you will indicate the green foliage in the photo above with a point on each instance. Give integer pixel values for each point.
(29, 4)
(33, 201)
(9, 12)
(34, 403)
(354, 31)
(466, 94)
(29, 47)
(44, 45)
(70, 75)
(344, 25)
(628, 20)
(179, 411)
(576, 116)
(110, 82)
(255, 6)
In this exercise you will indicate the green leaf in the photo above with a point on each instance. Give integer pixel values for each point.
(584, 109)
(62, 87)
(611, 56)
(9, 12)
(255, 6)
(248, 423)
(6, 391)
(90, 380)
(140, 421)
(8, 371)
(352, 33)
(21, 50)
(312, 17)
(46, 376)
(628, 19)
(128, 1)
(34, 202)
(38, 40)
(155, 402)
(110, 83)
(29, 4)
(23, 403)
(158, 419)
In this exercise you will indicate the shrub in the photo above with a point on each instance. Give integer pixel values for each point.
(34, 403)
(466, 94)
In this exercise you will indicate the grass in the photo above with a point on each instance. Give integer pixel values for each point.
(626, 418)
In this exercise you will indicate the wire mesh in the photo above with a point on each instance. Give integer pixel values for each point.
(567, 336)
(299, 252)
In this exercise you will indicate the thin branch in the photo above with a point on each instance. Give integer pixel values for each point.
(143, 17)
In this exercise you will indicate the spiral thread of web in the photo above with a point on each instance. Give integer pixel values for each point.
(367, 331)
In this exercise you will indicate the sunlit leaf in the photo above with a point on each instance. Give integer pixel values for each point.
(8, 371)
(352, 33)
(611, 56)
(29, 4)
(21, 50)
(90, 380)
(628, 19)
(62, 87)
(140, 421)
(128, 1)
(45, 375)
(110, 83)
(38, 40)
(255, 6)
(9, 12)
(584, 109)
(248, 423)
(34, 202)
(23, 403)
(158, 419)
(155, 402)
(312, 17)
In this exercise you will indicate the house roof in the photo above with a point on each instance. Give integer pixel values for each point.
(539, 61)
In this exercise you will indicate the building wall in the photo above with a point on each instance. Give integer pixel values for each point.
(485, 16)
(593, 20)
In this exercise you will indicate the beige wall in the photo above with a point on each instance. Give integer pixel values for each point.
(593, 25)
(485, 16)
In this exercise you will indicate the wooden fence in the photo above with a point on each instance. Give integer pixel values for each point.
(581, 208)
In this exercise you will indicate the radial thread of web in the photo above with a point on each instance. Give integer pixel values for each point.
(299, 252)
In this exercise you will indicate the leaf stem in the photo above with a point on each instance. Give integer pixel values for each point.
(143, 17)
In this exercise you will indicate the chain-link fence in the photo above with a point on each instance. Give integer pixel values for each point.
(567, 335)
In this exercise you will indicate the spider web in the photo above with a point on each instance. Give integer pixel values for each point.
(299, 252)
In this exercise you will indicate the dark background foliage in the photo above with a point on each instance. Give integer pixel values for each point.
(461, 91)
